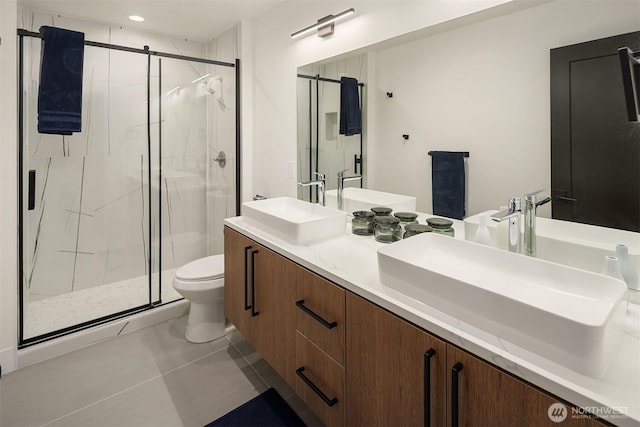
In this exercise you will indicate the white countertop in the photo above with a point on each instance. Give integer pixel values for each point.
(351, 262)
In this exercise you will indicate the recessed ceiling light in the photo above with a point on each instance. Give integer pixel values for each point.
(136, 18)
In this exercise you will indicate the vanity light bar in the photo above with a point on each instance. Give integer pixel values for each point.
(323, 22)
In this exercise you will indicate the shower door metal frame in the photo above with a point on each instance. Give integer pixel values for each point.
(22, 342)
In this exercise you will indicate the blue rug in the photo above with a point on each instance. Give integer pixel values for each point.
(266, 410)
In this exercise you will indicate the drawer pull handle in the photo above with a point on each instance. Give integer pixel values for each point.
(246, 278)
(455, 371)
(316, 390)
(427, 386)
(307, 310)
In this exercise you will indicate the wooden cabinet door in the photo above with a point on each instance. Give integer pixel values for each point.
(482, 395)
(389, 365)
(237, 259)
(274, 303)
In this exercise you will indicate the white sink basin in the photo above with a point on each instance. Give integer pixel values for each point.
(295, 221)
(363, 199)
(570, 243)
(569, 316)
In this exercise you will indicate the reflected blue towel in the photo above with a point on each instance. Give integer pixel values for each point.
(60, 92)
(447, 177)
(350, 114)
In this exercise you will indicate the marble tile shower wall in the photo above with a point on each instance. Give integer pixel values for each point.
(90, 225)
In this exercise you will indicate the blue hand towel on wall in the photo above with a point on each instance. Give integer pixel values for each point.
(448, 183)
(60, 92)
(350, 114)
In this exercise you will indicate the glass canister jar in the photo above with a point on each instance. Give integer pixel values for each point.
(413, 229)
(387, 229)
(381, 211)
(362, 223)
(442, 226)
(406, 218)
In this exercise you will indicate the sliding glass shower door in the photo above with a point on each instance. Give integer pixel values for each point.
(85, 200)
(108, 214)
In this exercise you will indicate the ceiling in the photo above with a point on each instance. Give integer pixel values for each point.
(200, 20)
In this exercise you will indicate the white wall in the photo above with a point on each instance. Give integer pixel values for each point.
(276, 57)
(483, 88)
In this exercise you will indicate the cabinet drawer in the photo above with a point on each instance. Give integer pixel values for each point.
(320, 382)
(320, 313)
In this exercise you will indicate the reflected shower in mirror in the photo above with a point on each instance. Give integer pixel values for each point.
(322, 147)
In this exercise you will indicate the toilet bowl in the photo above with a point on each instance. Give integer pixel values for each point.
(201, 282)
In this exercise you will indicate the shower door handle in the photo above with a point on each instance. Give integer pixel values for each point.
(32, 190)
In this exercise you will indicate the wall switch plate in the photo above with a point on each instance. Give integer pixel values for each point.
(291, 167)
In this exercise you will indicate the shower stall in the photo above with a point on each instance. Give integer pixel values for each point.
(108, 214)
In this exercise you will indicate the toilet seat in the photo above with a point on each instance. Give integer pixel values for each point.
(201, 270)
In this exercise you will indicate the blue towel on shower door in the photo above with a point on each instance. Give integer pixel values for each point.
(448, 183)
(60, 92)
(350, 113)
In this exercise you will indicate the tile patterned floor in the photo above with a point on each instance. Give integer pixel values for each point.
(61, 311)
(151, 377)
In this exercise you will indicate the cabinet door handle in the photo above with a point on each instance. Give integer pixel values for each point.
(427, 386)
(455, 371)
(316, 390)
(254, 313)
(246, 278)
(307, 310)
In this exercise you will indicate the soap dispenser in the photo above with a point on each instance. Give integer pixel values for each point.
(626, 269)
(483, 235)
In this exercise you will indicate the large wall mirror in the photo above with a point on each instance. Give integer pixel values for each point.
(483, 87)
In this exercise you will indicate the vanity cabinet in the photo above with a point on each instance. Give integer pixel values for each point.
(259, 299)
(395, 371)
(354, 363)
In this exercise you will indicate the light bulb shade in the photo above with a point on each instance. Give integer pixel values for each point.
(324, 25)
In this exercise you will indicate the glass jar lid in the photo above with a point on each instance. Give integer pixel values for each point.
(363, 214)
(439, 223)
(417, 228)
(386, 220)
(406, 216)
(381, 210)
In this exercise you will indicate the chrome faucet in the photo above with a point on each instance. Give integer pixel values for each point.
(512, 214)
(530, 205)
(341, 180)
(320, 182)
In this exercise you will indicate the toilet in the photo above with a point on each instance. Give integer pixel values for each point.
(202, 283)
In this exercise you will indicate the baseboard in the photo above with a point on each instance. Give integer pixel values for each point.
(68, 343)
